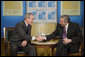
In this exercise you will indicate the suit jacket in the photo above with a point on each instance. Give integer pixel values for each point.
(73, 33)
(19, 33)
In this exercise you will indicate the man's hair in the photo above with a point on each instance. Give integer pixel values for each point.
(28, 15)
(66, 18)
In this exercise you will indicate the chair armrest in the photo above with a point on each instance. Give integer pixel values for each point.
(5, 41)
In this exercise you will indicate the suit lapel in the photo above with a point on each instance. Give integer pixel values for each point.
(69, 30)
(29, 28)
(24, 25)
(61, 30)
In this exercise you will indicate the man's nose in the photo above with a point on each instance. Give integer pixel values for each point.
(32, 21)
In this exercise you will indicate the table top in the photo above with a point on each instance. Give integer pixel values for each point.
(45, 43)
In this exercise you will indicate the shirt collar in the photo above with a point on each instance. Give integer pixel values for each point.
(26, 23)
(67, 25)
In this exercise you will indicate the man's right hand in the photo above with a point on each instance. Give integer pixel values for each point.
(39, 38)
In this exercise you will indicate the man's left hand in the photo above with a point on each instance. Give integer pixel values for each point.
(24, 43)
(66, 41)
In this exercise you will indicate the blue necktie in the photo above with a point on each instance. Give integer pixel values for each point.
(28, 31)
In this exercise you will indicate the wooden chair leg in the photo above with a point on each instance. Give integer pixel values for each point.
(9, 53)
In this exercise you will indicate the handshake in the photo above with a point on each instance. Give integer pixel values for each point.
(40, 38)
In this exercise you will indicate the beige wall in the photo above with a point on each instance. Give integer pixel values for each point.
(45, 28)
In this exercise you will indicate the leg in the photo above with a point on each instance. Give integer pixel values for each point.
(64, 52)
(30, 50)
(61, 50)
(13, 49)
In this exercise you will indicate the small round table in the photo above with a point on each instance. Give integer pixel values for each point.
(50, 44)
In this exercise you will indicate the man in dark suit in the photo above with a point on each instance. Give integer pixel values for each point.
(21, 37)
(69, 36)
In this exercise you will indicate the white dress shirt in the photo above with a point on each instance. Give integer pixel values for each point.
(66, 27)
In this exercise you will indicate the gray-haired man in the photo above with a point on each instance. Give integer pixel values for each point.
(21, 37)
(69, 36)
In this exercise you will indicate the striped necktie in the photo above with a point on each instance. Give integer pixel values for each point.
(64, 32)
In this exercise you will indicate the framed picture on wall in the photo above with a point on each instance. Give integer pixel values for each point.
(70, 7)
(12, 8)
(44, 11)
